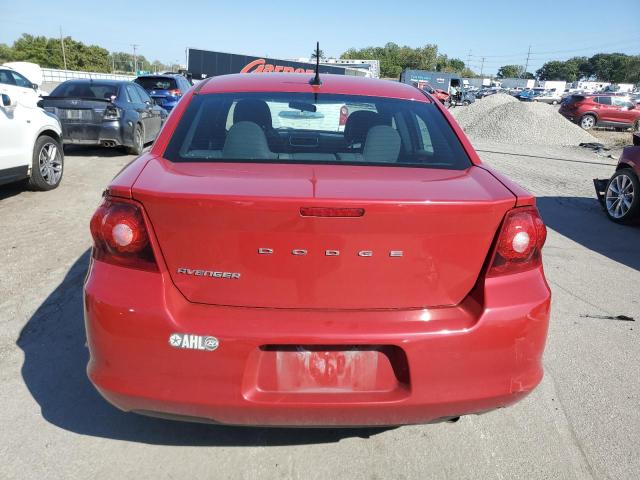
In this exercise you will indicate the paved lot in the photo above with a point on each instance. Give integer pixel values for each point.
(582, 422)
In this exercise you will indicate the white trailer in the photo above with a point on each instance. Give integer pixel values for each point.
(523, 83)
(555, 86)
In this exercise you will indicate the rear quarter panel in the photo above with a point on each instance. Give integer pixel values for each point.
(630, 158)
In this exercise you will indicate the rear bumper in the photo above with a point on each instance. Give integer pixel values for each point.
(165, 102)
(422, 365)
(111, 133)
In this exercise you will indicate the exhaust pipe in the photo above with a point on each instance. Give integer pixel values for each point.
(108, 143)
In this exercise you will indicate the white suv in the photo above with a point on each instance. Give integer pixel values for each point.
(18, 86)
(30, 145)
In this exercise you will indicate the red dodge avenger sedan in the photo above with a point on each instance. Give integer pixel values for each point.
(265, 265)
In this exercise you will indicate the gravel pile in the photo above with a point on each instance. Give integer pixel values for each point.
(503, 118)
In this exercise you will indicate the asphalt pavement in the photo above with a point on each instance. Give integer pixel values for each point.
(583, 421)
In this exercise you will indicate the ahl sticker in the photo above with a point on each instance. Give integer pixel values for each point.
(193, 342)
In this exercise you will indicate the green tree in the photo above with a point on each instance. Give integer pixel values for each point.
(558, 70)
(6, 53)
(468, 73)
(395, 58)
(510, 71)
(612, 67)
(29, 48)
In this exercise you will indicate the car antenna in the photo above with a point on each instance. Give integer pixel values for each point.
(316, 79)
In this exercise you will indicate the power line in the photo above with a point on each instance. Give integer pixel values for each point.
(595, 47)
(629, 42)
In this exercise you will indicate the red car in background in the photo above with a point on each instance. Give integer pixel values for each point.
(438, 93)
(620, 195)
(601, 110)
(247, 272)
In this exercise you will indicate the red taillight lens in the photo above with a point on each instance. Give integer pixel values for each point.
(176, 92)
(519, 243)
(120, 236)
(344, 114)
(111, 112)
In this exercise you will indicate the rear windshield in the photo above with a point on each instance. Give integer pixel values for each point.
(157, 83)
(303, 128)
(103, 91)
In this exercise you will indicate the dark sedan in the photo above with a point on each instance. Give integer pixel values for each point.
(109, 113)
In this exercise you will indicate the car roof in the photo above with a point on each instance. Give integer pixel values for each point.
(101, 81)
(156, 75)
(299, 82)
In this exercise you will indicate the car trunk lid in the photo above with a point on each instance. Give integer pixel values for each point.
(76, 110)
(233, 234)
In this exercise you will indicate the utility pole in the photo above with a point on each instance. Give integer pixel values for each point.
(482, 67)
(468, 59)
(526, 64)
(135, 57)
(64, 55)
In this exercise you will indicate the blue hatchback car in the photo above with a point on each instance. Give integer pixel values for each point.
(165, 89)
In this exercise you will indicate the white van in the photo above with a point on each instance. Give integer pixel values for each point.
(30, 145)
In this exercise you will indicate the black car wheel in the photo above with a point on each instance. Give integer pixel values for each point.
(47, 164)
(465, 103)
(138, 141)
(622, 196)
(588, 122)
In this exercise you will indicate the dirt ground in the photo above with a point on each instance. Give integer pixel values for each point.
(612, 138)
(583, 421)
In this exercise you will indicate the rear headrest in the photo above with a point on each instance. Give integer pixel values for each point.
(253, 110)
(382, 145)
(246, 140)
(359, 123)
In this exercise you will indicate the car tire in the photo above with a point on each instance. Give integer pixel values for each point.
(636, 126)
(588, 121)
(622, 197)
(465, 103)
(47, 164)
(138, 141)
(555, 102)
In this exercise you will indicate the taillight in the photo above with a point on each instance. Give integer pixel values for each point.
(520, 242)
(111, 113)
(176, 92)
(120, 236)
(344, 114)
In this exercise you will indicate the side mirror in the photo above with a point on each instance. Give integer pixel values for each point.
(34, 86)
(7, 102)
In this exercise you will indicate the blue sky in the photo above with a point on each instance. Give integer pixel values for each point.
(289, 29)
